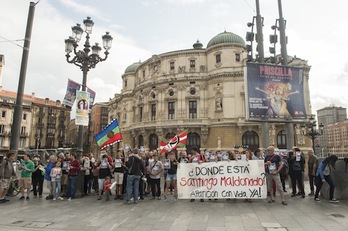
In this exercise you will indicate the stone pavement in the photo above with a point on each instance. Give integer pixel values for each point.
(89, 214)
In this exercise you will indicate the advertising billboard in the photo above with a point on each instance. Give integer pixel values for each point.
(274, 93)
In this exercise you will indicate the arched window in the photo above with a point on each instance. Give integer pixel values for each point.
(193, 139)
(281, 140)
(170, 135)
(141, 141)
(153, 142)
(251, 139)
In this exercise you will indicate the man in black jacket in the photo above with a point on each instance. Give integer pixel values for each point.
(135, 171)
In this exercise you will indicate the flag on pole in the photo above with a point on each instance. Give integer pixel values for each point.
(178, 141)
(110, 135)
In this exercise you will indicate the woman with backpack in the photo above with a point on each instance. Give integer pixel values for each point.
(324, 175)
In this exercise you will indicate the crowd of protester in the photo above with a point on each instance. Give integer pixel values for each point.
(134, 175)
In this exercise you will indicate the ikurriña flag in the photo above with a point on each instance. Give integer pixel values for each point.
(110, 135)
(178, 141)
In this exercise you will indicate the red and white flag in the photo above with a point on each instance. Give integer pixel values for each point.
(178, 141)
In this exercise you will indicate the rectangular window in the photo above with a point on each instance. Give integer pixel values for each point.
(218, 58)
(140, 114)
(2, 128)
(23, 129)
(144, 74)
(3, 114)
(171, 110)
(22, 142)
(24, 116)
(172, 66)
(192, 109)
(153, 112)
(125, 83)
(237, 57)
(192, 63)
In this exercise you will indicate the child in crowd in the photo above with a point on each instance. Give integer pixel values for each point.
(107, 190)
(56, 175)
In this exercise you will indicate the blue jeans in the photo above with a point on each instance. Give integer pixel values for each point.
(56, 189)
(132, 185)
(71, 186)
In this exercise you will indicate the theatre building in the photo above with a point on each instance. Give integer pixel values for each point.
(199, 89)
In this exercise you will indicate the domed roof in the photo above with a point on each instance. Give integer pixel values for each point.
(132, 68)
(226, 37)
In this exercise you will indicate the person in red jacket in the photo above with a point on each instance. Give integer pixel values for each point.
(74, 167)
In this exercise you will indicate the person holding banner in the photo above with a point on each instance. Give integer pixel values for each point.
(196, 158)
(183, 157)
(273, 165)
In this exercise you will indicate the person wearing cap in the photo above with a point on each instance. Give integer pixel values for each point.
(273, 165)
(135, 171)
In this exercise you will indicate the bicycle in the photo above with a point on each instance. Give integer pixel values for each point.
(14, 189)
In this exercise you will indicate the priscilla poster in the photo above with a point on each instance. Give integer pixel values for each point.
(274, 92)
(82, 108)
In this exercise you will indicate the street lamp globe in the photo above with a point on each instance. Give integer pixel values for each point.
(69, 44)
(107, 41)
(96, 49)
(77, 32)
(88, 25)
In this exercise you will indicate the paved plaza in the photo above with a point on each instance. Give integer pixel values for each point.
(89, 214)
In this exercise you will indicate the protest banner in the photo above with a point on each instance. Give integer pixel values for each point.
(225, 179)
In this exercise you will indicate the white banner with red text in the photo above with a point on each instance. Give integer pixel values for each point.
(225, 179)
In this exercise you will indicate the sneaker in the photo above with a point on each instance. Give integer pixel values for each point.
(317, 199)
(69, 199)
(153, 198)
(175, 198)
(135, 202)
(35, 197)
(164, 198)
(54, 199)
(22, 197)
(27, 198)
(284, 203)
(334, 201)
(2, 201)
(158, 198)
(61, 198)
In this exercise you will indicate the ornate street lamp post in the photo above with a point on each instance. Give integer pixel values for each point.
(84, 60)
(310, 130)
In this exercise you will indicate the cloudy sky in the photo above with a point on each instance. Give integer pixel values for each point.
(316, 30)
